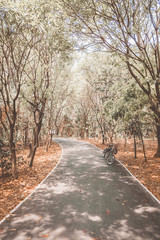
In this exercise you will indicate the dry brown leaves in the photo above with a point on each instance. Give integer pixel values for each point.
(12, 191)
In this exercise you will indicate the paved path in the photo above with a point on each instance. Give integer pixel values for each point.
(84, 199)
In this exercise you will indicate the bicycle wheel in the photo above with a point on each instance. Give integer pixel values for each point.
(110, 159)
(106, 154)
(105, 151)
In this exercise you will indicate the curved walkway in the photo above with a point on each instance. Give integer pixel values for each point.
(85, 199)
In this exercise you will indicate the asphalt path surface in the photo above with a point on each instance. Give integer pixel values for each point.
(85, 199)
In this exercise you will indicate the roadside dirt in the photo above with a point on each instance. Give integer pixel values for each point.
(12, 191)
(148, 173)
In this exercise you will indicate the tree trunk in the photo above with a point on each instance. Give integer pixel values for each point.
(25, 137)
(14, 162)
(103, 138)
(87, 133)
(47, 143)
(144, 152)
(34, 146)
(49, 132)
(36, 132)
(33, 155)
(82, 133)
(135, 147)
(57, 131)
(111, 139)
(30, 150)
(48, 140)
(125, 139)
(13, 153)
(141, 134)
(157, 154)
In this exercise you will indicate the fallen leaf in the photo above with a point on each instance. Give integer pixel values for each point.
(84, 231)
(45, 235)
(38, 219)
(13, 229)
(107, 212)
(13, 190)
(123, 203)
(29, 238)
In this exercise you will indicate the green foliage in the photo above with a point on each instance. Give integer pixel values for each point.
(98, 92)
(111, 98)
(129, 28)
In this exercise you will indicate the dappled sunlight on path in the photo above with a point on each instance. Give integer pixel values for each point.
(85, 199)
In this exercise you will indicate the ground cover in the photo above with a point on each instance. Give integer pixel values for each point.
(12, 191)
(148, 173)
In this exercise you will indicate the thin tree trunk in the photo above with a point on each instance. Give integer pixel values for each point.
(47, 142)
(157, 154)
(30, 150)
(25, 137)
(103, 138)
(13, 153)
(34, 146)
(144, 152)
(49, 133)
(135, 147)
(36, 143)
(33, 155)
(125, 139)
(14, 163)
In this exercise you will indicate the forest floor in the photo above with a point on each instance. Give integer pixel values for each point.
(12, 191)
(148, 173)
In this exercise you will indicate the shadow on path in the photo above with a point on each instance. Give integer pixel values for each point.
(84, 198)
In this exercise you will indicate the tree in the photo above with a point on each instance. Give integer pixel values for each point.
(39, 78)
(15, 47)
(58, 95)
(129, 28)
(29, 29)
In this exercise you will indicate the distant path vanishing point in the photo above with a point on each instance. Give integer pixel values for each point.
(85, 199)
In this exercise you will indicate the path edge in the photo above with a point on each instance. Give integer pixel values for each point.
(146, 189)
(14, 209)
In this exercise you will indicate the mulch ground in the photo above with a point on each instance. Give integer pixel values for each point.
(148, 173)
(12, 191)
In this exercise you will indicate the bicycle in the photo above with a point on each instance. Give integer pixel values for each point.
(109, 154)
